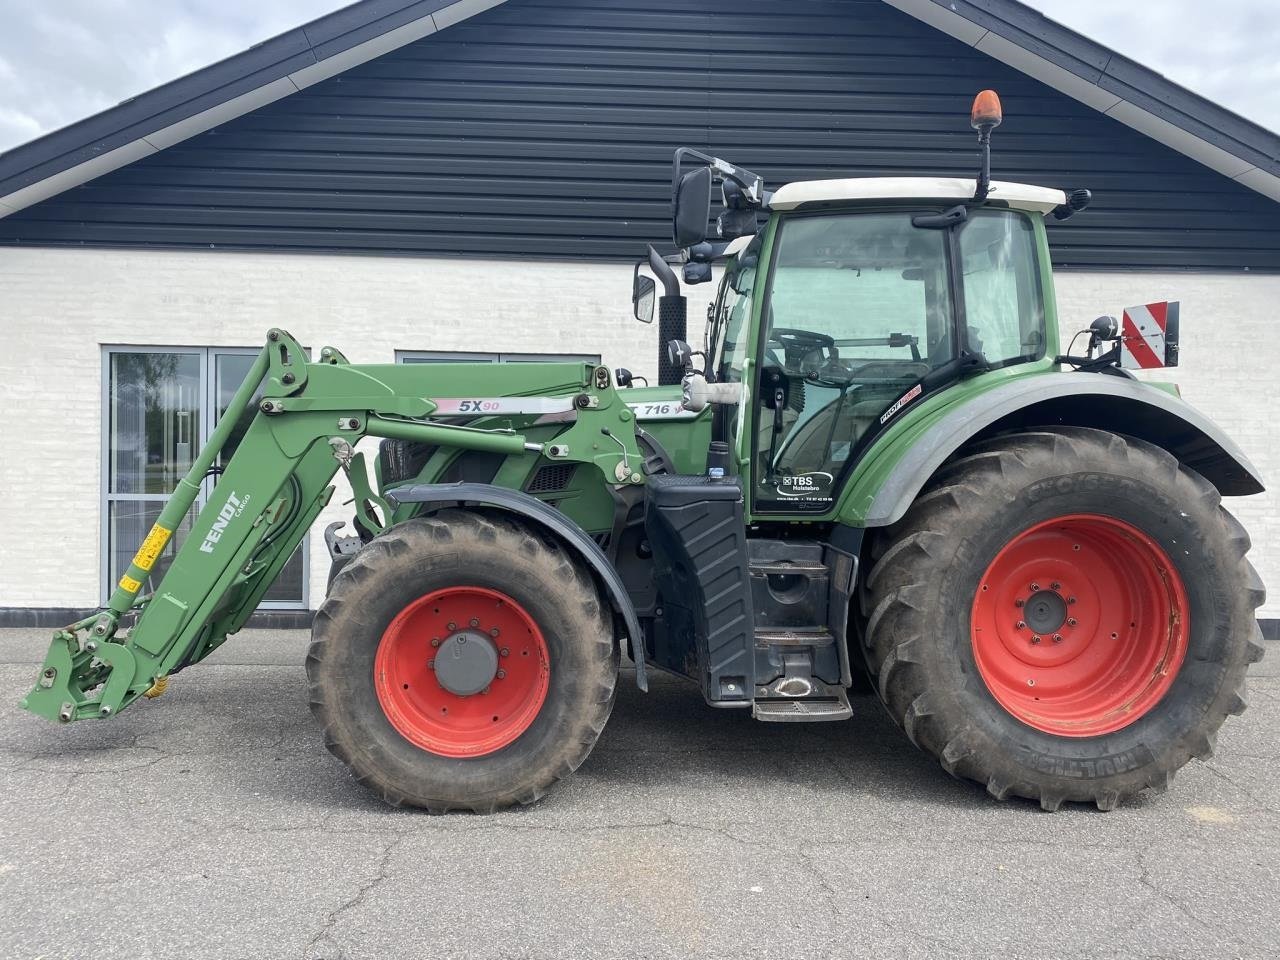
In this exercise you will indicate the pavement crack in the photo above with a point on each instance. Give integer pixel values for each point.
(322, 946)
(1227, 778)
(1144, 880)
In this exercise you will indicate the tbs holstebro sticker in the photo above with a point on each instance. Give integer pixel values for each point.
(813, 485)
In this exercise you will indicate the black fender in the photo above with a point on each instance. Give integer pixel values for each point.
(550, 519)
(1118, 404)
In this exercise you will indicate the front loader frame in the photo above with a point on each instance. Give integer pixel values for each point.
(309, 417)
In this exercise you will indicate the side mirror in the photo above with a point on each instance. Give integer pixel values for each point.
(625, 378)
(692, 207)
(679, 354)
(642, 294)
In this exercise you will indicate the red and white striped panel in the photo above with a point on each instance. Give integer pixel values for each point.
(1142, 334)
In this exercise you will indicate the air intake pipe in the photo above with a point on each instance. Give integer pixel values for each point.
(673, 317)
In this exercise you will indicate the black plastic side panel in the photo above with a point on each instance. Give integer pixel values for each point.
(842, 553)
(555, 521)
(697, 529)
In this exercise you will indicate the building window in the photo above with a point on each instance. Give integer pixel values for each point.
(159, 405)
(436, 356)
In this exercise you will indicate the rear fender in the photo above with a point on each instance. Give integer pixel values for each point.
(1121, 405)
(534, 511)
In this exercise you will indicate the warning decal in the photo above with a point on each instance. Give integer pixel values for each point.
(146, 556)
(130, 584)
(1143, 334)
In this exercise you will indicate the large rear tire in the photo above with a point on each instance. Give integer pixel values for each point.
(460, 661)
(1064, 615)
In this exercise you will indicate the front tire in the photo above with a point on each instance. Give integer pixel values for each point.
(460, 661)
(1064, 615)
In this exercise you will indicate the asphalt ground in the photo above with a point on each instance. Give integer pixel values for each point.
(212, 823)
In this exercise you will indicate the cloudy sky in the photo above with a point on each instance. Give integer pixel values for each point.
(62, 60)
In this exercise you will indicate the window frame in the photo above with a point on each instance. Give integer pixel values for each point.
(208, 420)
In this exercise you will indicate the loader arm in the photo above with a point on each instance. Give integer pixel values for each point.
(309, 417)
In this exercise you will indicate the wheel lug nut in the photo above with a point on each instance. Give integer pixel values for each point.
(435, 641)
(502, 674)
(1071, 621)
(1057, 638)
(452, 626)
(1055, 585)
(1019, 602)
(493, 632)
(1020, 624)
(431, 664)
(1034, 587)
(1071, 599)
(1035, 639)
(475, 622)
(505, 652)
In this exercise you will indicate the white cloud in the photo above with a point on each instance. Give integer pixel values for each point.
(63, 61)
(1224, 50)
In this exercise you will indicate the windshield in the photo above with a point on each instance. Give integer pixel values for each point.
(872, 284)
(731, 314)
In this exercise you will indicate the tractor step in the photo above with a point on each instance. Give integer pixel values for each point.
(799, 637)
(803, 711)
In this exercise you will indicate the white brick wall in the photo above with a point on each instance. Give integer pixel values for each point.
(58, 307)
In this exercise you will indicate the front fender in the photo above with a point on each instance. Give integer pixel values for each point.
(1124, 406)
(550, 519)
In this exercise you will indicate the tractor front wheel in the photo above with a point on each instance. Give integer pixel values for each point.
(460, 661)
(1064, 615)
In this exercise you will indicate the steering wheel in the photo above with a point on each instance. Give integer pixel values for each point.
(798, 344)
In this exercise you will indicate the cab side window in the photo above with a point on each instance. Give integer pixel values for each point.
(1003, 306)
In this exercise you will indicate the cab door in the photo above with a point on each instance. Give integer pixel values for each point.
(857, 314)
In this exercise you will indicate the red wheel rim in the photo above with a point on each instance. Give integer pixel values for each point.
(1079, 625)
(413, 695)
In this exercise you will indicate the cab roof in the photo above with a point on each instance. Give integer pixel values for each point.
(1019, 196)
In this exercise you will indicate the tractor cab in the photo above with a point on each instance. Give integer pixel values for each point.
(855, 300)
(854, 303)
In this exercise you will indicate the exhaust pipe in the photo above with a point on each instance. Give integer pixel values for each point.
(673, 318)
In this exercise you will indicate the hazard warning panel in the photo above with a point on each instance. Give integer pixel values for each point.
(1149, 336)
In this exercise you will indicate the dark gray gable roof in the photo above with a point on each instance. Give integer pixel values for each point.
(171, 113)
(1121, 88)
(1004, 29)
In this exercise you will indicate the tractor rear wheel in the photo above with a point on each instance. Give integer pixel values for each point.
(1065, 614)
(459, 661)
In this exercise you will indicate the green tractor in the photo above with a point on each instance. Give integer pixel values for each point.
(879, 464)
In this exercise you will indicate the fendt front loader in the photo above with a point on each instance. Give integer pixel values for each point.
(880, 462)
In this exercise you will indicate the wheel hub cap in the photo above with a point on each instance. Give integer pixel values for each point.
(1046, 611)
(466, 663)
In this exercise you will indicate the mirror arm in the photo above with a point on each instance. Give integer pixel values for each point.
(660, 268)
(752, 184)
